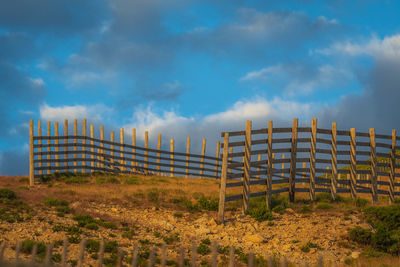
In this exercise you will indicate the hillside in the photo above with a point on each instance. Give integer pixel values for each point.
(151, 211)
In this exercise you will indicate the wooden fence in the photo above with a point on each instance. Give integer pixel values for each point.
(313, 160)
(82, 153)
(158, 256)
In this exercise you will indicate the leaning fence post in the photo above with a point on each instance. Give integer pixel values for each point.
(81, 258)
(312, 158)
(84, 146)
(66, 145)
(194, 254)
(232, 257)
(75, 148)
(353, 163)
(158, 154)
(134, 163)
(187, 156)
(57, 148)
(112, 139)
(163, 255)
(392, 177)
(172, 157)
(258, 168)
(214, 254)
(31, 157)
(64, 256)
(203, 152)
(92, 148)
(40, 143)
(135, 255)
(374, 186)
(292, 177)
(334, 161)
(222, 187)
(181, 260)
(48, 147)
(268, 196)
(247, 167)
(49, 252)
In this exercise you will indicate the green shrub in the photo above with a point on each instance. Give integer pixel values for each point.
(27, 246)
(360, 235)
(7, 194)
(261, 213)
(203, 249)
(56, 257)
(129, 234)
(279, 209)
(153, 195)
(323, 197)
(171, 238)
(92, 226)
(386, 215)
(208, 204)
(306, 247)
(108, 225)
(111, 247)
(178, 214)
(324, 206)
(361, 202)
(54, 202)
(206, 241)
(132, 180)
(92, 245)
(83, 219)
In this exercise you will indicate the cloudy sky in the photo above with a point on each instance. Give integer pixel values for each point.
(195, 67)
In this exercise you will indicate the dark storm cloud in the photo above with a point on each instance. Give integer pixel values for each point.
(377, 106)
(59, 17)
(14, 162)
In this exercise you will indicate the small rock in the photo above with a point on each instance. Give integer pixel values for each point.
(355, 254)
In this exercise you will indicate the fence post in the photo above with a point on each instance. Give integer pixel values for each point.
(134, 149)
(222, 187)
(102, 146)
(283, 166)
(292, 177)
(203, 152)
(66, 145)
(334, 161)
(75, 148)
(84, 146)
(112, 139)
(353, 163)
(121, 133)
(258, 168)
(268, 196)
(247, 167)
(40, 142)
(172, 157)
(392, 178)
(230, 159)
(31, 157)
(57, 148)
(217, 156)
(187, 156)
(92, 149)
(158, 154)
(146, 152)
(374, 186)
(312, 158)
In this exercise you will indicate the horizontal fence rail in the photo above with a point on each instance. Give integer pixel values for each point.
(81, 153)
(268, 161)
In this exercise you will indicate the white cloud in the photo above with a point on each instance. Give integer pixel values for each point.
(293, 79)
(388, 47)
(95, 112)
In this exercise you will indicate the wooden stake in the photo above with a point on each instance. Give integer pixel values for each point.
(392, 177)
(187, 157)
(283, 166)
(292, 177)
(232, 257)
(334, 162)
(247, 168)
(101, 254)
(49, 148)
(203, 152)
(258, 168)
(163, 255)
(312, 158)
(31, 157)
(134, 149)
(56, 142)
(353, 163)
(40, 142)
(122, 148)
(83, 147)
(222, 186)
(81, 258)
(158, 154)
(230, 159)
(66, 142)
(101, 165)
(112, 137)
(92, 149)
(374, 186)
(64, 256)
(75, 142)
(135, 256)
(172, 156)
(146, 152)
(268, 196)
(49, 253)
(217, 156)
(214, 254)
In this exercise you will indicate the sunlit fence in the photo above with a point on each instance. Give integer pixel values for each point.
(272, 160)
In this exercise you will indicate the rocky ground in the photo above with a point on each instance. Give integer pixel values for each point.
(299, 235)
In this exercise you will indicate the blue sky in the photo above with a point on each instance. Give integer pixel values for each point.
(195, 67)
